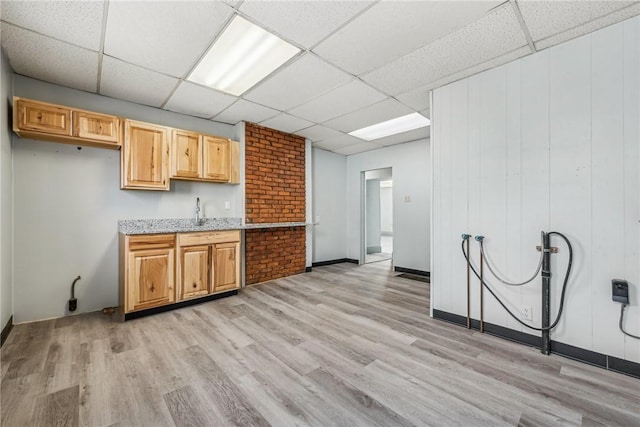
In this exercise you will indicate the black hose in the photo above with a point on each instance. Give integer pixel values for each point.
(562, 295)
(622, 307)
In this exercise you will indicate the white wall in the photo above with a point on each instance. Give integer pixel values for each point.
(548, 142)
(411, 177)
(372, 216)
(6, 185)
(386, 210)
(67, 203)
(329, 197)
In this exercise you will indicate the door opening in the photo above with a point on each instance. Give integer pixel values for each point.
(377, 218)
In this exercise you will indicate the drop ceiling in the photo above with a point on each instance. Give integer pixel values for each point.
(361, 62)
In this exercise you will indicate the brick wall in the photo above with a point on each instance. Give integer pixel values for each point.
(274, 192)
(274, 175)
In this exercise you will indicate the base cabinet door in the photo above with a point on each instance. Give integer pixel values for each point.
(194, 271)
(151, 278)
(226, 266)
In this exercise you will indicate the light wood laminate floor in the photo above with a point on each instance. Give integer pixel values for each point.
(343, 345)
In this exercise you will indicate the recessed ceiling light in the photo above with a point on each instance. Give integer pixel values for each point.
(243, 55)
(391, 127)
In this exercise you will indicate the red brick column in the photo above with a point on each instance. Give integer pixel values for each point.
(274, 192)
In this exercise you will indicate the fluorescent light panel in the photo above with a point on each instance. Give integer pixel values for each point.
(391, 127)
(243, 55)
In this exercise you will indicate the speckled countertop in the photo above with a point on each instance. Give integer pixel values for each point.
(180, 225)
(187, 225)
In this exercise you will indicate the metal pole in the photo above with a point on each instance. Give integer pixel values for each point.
(468, 288)
(545, 346)
(481, 293)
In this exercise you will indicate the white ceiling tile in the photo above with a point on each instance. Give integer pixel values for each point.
(131, 83)
(589, 27)
(341, 100)
(403, 137)
(165, 36)
(546, 18)
(493, 63)
(198, 101)
(340, 141)
(376, 113)
(246, 111)
(358, 148)
(303, 22)
(418, 99)
(296, 84)
(391, 29)
(50, 60)
(286, 123)
(318, 133)
(494, 35)
(77, 22)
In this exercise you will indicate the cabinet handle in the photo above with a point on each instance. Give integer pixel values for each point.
(39, 116)
(195, 286)
(186, 152)
(153, 288)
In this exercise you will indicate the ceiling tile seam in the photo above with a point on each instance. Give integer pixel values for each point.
(173, 91)
(575, 27)
(270, 30)
(253, 102)
(347, 22)
(103, 34)
(49, 37)
(206, 49)
(523, 25)
(269, 76)
(225, 109)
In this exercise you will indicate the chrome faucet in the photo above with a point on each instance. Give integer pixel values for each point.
(198, 219)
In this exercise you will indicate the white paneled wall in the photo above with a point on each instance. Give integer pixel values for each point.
(548, 142)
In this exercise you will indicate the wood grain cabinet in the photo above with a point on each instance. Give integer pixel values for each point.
(145, 156)
(199, 157)
(57, 123)
(221, 271)
(147, 271)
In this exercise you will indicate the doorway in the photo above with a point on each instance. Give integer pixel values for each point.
(377, 217)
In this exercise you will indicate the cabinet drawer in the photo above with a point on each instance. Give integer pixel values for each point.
(208, 237)
(151, 241)
(42, 117)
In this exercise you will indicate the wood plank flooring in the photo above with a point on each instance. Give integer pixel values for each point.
(342, 345)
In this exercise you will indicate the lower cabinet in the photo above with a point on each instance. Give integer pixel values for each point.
(209, 263)
(158, 270)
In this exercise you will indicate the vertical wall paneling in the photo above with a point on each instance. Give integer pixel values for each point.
(607, 201)
(570, 192)
(473, 167)
(631, 160)
(493, 173)
(551, 142)
(534, 131)
(459, 209)
(513, 239)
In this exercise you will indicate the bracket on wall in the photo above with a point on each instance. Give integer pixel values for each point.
(554, 250)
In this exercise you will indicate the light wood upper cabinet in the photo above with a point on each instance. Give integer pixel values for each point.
(42, 117)
(57, 123)
(193, 271)
(226, 266)
(145, 156)
(216, 156)
(99, 127)
(186, 158)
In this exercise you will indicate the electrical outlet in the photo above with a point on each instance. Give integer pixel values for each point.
(527, 313)
(227, 205)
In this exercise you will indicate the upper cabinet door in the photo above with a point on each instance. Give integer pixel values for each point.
(99, 127)
(186, 159)
(216, 158)
(42, 117)
(145, 156)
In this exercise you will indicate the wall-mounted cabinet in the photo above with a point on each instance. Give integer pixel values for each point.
(151, 155)
(145, 157)
(57, 123)
(197, 157)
